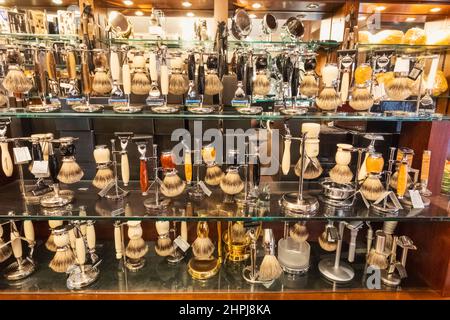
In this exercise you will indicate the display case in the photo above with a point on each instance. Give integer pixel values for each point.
(140, 165)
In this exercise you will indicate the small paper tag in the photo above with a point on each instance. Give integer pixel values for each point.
(21, 155)
(154, 102)
(239, 103)
(117, 212)
(415, 72)
(73, 101)
(180, 243)
(205, 188)
(65, 85)
(117, 102)
(401, 65)
(40, 168)
(192, 103)
(105, 190)
(416, 199)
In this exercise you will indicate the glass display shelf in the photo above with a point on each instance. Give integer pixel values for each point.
(46, 37)
(403, 47)
(159, 277)
(88, 205)
(228, 114)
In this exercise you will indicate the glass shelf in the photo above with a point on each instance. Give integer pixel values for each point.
(402, 47)
(47, 37)
(228, 114)
(209, 208)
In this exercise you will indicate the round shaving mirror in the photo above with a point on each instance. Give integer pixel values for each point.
(241, 24)
(269, 23)
(119, 25)
(294, 28)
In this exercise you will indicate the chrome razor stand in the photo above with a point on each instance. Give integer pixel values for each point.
(388, 276)
(118, 193)
(155, 204)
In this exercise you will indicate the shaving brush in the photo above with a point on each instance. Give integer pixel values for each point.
(101, 83)
(140, 83)
(5, 250)
(341, 172)
(104, 174)
(398, 88)
(172, 185)
(232, 183)
(270, 268)
(361, 98)
(214, 175)
(50, 243)
(328, 238)
(163, 246)
(136, 247)
(312, 167)
(298, 232)
(377, 256)
(238, 232)
(372, 188)
(213, 85)
(177, 82)
(202, 247)
(309, 86)
(70, 171)
(261, 84)
(328, 98)
(15, 80)
(64, 257)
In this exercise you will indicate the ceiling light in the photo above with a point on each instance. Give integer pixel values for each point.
(57, 1)
(434, 10)
(2, 1)
(139, 13)
(256, 5)
(312, 6)
(128, 2)
(190, 14)
(362, 18)
(410, 19)
(252, 16)
(380, 8)
(186, 4)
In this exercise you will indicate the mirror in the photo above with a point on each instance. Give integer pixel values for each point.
(119, 25)
(294, 28)
(241, 24)
(269, 23)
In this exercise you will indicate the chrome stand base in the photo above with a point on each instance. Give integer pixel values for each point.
(387, 209)
(293, 111)
(134, 265)
(390, 279)
(294, 271)
(152, 205)
(253, 278)
(176, 257)
(44, 108)
(54, 201)
(87, 108)
(16, 271)
(343, 273)
(294, 207)
(165, 109)
(128, 109)
(250, 110)
(201, 110)
(78, 279)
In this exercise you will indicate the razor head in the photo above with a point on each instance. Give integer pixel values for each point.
(141, 139)
(124, 135)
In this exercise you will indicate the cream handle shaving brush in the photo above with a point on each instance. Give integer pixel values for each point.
(28, 230)
(125, 168)
(184, 231)
(115, 66)
(7, 164)
(126, 79)
(152, 67)
(286, 160)
(345, 85)
(80, 251)
(90, 235)
(164, 80)
(118, 241)
(16, 244)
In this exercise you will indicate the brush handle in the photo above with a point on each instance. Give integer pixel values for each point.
(51, 65)
(201, 79)
(249, 80)
(240, 68)
(53, 167)
(344, 86)
(83, 228)
(295, 81)
(184, 231)
(80, 250)
(286, 160)
(256, 172)
(28, 230)
(7, 164)
(125, 168)
(40, 65)
(287, 69)
(72, 238)
(90, 236)
(188, 166)
(191, 67)
(152, 67)
(369, 239)
(16, 244)
(71, 65)
(126, 79)
(164, 80)
(162, 227)
(115, 66)
(36, 152)
(352, 245)
(86, 78)
(143, 176)
(118, 241)
(425, 168)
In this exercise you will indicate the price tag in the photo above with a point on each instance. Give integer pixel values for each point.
(401, 65)
(239, 103)
(117, 102)
(21, 155)
(180, 243)
(204, 188)
(416, 199)
(154, 102)
(73, 101)
(40, 168)
(192, 103)
(65, 85)
(105, 190)
(415, 72)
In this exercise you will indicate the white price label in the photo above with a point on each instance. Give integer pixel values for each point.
(180, 243)
(40, 168)
(65, 85)
(204, 188)
(401, 65)
(416, 199)
(21, 155)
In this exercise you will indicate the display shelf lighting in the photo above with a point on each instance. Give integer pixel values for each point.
(57, 2)
(186, 4)
(313, 6)
(256, 5)
(434, 10)
(128, 2)
(139, 13)
(252, 16)
(190, 14)
(380, 8)
(410, 19)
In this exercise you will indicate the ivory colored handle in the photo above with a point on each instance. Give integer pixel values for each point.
(125, 168)
(80, 250)
(115, 66)
(286, 161)
(90, 236)
(164, 80)
(425, 169)
(344, 86)
(152, 67)
(126, 79)
(118, 242)
(352, 247)
(363, 170)
(72, 238)
(7, 164)
(28, 230)
(184, 231)
(55, 223)
(188, 166)
(83, 229)
(16, 245)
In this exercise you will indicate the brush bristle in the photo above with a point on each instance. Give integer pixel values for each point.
(70, 172)
(325, 244)
(50, 244)
(238, 233)
(213, 175)
(62, 260)
(299, 232)
(270, 268)
(261, 85)
(164, 247)
(313, 169)
(361, 99)
(203, 248)
(172, 185)
(341, 174)
(178, 84)
(5, 251)
(328, 99)
(213, 85)
(309, 86)
(103, 177)
(101, 83)
(140, 84)
(398, 88)
(372, 188)
(231, 183)
(136, 249)
(376, 259)
(16, 81)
